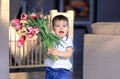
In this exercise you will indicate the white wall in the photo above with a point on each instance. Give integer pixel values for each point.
(4, 44)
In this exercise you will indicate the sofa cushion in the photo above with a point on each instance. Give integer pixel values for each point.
(106, 28)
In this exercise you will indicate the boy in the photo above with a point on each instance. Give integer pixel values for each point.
(60, 69)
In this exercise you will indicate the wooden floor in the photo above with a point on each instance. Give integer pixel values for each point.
(33, 75)
(27, 75)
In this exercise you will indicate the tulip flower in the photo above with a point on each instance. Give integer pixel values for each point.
(21, 41)
(36, 30)
(36, 24)
(33, 16)
(40, 14)
(30, 35)
(16, 24)
(16, 21)
(29, 29)
(24, 16)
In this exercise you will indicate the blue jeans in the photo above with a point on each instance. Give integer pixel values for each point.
(58, 73)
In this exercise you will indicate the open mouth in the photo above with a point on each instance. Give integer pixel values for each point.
(61, 31)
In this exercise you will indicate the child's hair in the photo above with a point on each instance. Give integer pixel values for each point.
(59, 17)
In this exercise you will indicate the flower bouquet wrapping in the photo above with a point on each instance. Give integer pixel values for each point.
(36, 25)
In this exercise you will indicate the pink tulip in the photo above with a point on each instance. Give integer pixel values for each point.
(33, 16)
(36, 30)
(16, 24)
(29, 29)
(24, 16)
(23, 38)
(40, 14)
(16, 21)
(21, 41)
(30, 35)
(30, 32)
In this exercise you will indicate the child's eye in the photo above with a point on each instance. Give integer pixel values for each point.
(57, 25)
(64, 25)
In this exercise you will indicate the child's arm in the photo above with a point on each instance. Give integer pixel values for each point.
(66, 54)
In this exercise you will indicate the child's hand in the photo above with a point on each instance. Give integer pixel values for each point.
(53, 51)
(49, 50)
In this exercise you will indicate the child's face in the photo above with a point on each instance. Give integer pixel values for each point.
(60, 28)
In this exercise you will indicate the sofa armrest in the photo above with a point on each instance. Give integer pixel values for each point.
(106, 28)
(101, 57)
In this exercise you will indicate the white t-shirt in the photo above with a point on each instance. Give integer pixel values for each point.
(61, 62)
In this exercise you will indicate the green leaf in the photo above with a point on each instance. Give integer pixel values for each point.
(45, 49)
(31, 19)
(49, 43)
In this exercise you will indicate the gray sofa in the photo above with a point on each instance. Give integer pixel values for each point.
(102, 51)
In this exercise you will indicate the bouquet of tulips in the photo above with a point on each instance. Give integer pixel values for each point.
(36, 24)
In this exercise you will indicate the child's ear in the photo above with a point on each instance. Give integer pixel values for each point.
(53, 29)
